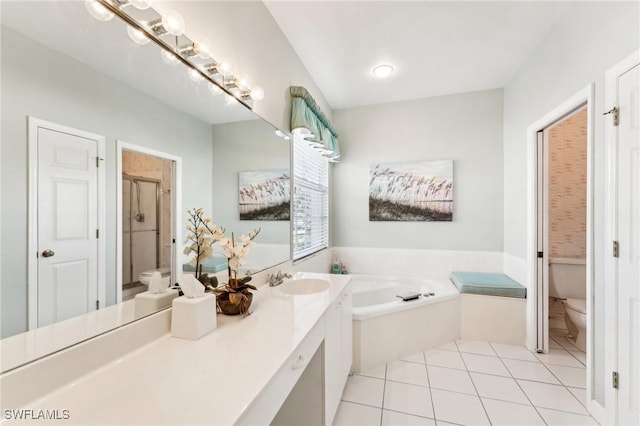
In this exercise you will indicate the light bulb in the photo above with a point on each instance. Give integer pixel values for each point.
(214, 89)
(173, 23)
(383, 71)
(202, 48)
(225, 68)
(195, 75)
(137, 36)
(243, 83)
(141, 4)
(98, 11)
(257, 93)
(169, 58)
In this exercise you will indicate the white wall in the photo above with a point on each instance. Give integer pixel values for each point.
(588, 40)
(245, 34)
(465, 128)
(36, 81)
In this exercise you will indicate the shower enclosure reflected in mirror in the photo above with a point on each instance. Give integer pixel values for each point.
(61, 65)
(147, 211)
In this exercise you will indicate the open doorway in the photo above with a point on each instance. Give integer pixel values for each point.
(539, 253)
(148, 195)
(562, 231)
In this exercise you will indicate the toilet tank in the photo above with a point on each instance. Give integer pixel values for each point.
(567, 278)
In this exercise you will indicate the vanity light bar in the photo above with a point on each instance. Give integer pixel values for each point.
(155, 29)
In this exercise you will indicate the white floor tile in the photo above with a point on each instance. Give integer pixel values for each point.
(485, 364)
(450, 379)
(417, 358)
(364, 390)
(444, 358)
(393, 418)
(475, 347)
(553, 344)
(559, 357)
(581, 394)
(551, 396)
(458, 408)
(350, 414)
(570, 376)
(581, 356)
(566, 343)
(406, 398)
(451, 346)
(503, 388)
(559, 418)
(377, 372)
(510, 414)
(513, 352)
(407, 372)
(530, 371)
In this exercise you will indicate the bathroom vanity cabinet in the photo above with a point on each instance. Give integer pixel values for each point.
(338, 346)
(284, 364)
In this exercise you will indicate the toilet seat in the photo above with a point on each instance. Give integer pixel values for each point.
(163, 271)
(578, 305)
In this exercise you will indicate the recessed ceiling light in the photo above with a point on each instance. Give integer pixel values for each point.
(383, 71)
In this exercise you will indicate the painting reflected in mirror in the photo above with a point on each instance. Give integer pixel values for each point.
(61, 66)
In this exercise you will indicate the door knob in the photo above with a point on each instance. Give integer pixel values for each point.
(48, 253)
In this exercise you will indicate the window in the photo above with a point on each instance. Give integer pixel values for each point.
(310, 199)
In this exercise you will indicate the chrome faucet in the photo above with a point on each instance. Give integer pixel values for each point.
(277, 279)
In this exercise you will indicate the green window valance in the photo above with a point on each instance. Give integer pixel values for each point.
(308, 120)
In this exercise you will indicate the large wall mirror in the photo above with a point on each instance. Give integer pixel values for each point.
(164, 144)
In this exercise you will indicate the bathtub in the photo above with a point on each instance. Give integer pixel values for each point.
(385, 328)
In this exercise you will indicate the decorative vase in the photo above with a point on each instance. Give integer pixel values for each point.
(228, 308)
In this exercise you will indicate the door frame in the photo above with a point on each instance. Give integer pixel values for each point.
(583, 97)
(176, 199)
(611, 226)
(33, 124)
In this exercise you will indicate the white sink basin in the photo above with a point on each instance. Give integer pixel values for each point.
(304, 286)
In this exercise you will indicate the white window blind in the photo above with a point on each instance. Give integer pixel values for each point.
(310, 199)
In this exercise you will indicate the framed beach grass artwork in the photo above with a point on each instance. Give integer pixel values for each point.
(264, 194)
(413, 191)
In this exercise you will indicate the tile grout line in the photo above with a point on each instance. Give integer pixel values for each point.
(474, 385)
(522, 390)
(570, 352)
(433, 406)
(384, 388)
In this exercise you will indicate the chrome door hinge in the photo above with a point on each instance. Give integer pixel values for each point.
(97, 305)
(614, 379)
(98, 160)
(97, 233)
(614, 112)
(616, 249)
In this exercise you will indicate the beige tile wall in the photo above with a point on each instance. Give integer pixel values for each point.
(568, 186)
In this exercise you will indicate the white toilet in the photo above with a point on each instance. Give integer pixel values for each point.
(567, 280)
(145, 277)
(576, 319)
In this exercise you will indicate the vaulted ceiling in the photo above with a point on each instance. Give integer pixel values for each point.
(436, 47)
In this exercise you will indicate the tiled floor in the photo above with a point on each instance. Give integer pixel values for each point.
(472, 383)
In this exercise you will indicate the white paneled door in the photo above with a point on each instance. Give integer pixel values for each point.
(628, 262)
(67, 221)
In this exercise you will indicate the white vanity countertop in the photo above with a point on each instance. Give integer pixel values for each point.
(34, 344)
(209, 381)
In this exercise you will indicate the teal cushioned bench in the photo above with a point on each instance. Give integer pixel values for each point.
(488, 284)
(211, 265)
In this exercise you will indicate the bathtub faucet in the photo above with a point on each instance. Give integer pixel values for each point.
(276, 279)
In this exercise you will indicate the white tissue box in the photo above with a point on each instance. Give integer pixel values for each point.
(147, 303)
(192, 318)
